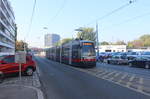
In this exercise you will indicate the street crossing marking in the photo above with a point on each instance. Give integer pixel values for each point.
(141, 80)
(109, 74)
(140, 87)
(131, 82)
(125, 75)
(117, 74)
(102, 73)
(130, 79)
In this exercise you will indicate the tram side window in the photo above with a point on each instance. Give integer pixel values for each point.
(65, 52)
(75, 51)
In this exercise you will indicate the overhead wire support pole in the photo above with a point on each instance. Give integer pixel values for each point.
(97, 40)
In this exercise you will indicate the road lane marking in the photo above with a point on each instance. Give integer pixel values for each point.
(109, 74)
(140, 87)
(117, 74)
(130, 80)
(141, 80)
(102, 73)
(125, 75)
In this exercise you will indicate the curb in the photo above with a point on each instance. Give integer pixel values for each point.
(39, 92)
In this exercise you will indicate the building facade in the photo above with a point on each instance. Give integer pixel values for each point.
(7, 28)
(51, 40)
(112, 48)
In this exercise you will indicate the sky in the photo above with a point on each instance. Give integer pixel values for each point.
(64, 16)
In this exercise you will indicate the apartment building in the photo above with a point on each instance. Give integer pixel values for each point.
(7, 28)
(51, 40)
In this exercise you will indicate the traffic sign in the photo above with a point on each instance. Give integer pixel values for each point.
(20, 57)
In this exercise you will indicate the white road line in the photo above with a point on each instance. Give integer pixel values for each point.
(125, 75)
(140, 87)
(130, 79)
(117, 73)
(141, 80)
(102, 73)
(109, 74)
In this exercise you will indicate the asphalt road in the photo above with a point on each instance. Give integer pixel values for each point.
(125, 68)
(61, 81)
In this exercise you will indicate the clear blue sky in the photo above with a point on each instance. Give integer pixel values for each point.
(77, 13)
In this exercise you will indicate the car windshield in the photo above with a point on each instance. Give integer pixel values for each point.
(132, 53)
(146, 53)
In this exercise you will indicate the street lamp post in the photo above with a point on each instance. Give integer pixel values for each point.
(97, 40)
(79, 30)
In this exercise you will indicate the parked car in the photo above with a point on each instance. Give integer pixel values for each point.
(132, 55)
(117, 59)
(141, 62)
(145, 54)
(8, 66)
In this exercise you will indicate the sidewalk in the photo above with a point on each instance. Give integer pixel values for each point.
(30, 88)
(17, 92)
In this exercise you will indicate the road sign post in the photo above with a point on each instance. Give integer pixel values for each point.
(20, 58)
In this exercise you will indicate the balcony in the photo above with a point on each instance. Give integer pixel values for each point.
(10, 21)
(8, 8)
(7, 45)
(7, 27)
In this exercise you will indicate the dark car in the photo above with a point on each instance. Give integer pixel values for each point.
(141, 62)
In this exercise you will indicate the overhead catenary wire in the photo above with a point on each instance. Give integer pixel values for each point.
(59, 11)
(112, 12)
(129, 20)
(31, 19)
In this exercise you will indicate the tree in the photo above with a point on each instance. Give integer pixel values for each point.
(63, 41)
(120, 43)
(130, 45)
(104, 43)
(143, 41)
(87, 34)
(20, 46)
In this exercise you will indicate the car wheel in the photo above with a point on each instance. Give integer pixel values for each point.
(147, 66)
(130, 64)
(29, 71)
(118, 63)
(108, 62)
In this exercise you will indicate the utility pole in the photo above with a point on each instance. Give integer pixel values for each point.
(97, 40)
